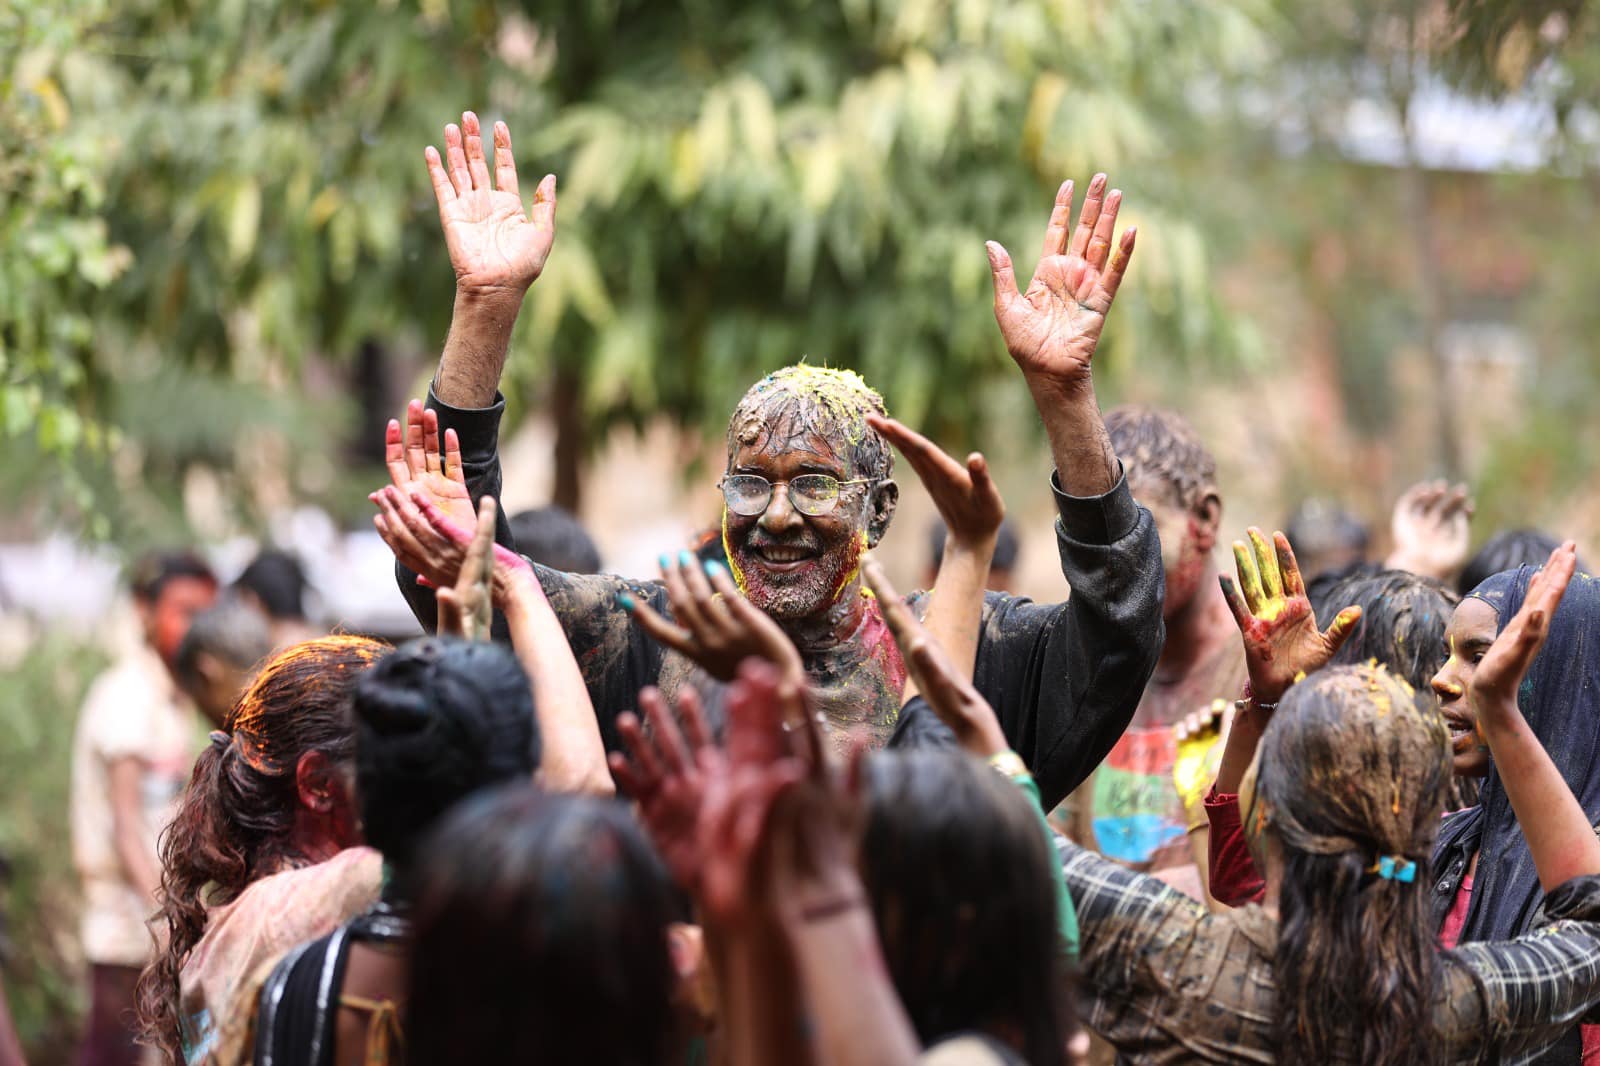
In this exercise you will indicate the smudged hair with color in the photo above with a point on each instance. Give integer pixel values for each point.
(437, 720)
(234, 822)
(1157, 445)
(834, 404)
(1354, 766)
(541, 935)
(958, 872)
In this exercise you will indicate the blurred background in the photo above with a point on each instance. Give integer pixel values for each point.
(1364, 259)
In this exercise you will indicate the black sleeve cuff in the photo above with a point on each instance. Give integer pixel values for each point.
(477, 427)
(1577, 899)
(1097, 519)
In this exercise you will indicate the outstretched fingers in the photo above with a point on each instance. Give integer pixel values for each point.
(1004, 276)
(544, 203)
(1288, 567)
(1055, 234)
(505, 162)
(1266, 564)
(657, 626)
(1100, 241)
(1339, 631)
(1111, 277)
(432, 454)
(416, 449)
(455, 155)
(1092, 203)
(1236, 604)
(1249, 580)
(443, 191)
(452, 458)
(929, 460)
(394, 455)
(477, 165)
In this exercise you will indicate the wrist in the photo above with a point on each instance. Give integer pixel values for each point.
(491, 298)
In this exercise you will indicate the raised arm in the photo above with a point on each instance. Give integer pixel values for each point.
(574, 756)
(972, 510)
(1053, 328)
(1560, 838)
(497, 249)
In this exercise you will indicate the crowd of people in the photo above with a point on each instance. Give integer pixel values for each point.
(766, 810)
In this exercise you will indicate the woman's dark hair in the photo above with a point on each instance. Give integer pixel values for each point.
(233, 824)
(540, 935)
(437, 720)
(1403, 620)
(1504, 551)
(1353, 767)
(958, 871)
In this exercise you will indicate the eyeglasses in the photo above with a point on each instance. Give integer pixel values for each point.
(748, 495)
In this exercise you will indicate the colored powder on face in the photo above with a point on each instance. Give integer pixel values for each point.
(855, 568)
(733, 560)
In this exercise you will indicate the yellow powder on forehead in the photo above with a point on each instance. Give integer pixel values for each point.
(843, 395)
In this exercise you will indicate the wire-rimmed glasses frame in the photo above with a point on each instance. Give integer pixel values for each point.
(758, 492)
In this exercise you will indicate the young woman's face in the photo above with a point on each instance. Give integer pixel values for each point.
(1472, 629)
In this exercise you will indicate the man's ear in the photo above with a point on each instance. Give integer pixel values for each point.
(315, 782)
(880, 510)
(1207, 520)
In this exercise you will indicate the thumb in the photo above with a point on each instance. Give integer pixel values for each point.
(1343, 625)
(1005, 277)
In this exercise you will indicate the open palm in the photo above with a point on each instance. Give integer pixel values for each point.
(1281, 638)
(1053, 328)
(493, 243)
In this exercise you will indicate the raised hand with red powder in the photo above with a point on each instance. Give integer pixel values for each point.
(1281, 641)
(1281, 638)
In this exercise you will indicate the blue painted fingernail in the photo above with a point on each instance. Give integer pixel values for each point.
(685, 558)
(714, 568)
(666, 560)
(625, 601)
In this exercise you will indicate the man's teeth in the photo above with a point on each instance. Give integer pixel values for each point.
(784, 555)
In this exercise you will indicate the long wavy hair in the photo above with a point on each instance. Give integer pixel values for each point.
(958, 872)
(1354, 767)
(233, 825)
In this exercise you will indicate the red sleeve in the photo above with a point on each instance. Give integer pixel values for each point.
(1234, 880)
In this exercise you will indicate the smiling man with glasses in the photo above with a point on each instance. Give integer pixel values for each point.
(808, 489)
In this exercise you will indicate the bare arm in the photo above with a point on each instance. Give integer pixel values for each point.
(1560, 838)
(1053, 328)
(574, 755)
(497, 251)
(127, 826)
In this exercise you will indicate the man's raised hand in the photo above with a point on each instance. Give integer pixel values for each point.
(495, 246)
(1053, 328)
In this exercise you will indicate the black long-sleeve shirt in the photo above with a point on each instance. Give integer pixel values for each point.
(1064, 678)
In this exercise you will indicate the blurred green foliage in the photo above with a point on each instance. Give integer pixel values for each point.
(225, 189)
(38, 892)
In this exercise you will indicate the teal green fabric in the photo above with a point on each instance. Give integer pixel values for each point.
(1066, 914)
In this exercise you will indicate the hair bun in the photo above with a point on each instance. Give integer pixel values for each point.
(394, 700)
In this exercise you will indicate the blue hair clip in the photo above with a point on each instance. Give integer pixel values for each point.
(1397, 868)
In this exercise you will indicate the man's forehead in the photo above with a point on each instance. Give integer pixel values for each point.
(786, 436)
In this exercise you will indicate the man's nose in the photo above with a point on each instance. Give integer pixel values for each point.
(1445, 685)
(780, 514)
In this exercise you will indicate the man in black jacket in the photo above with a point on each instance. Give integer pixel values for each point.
(808, 490)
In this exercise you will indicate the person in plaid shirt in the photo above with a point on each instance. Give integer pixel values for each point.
(1340, 808)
